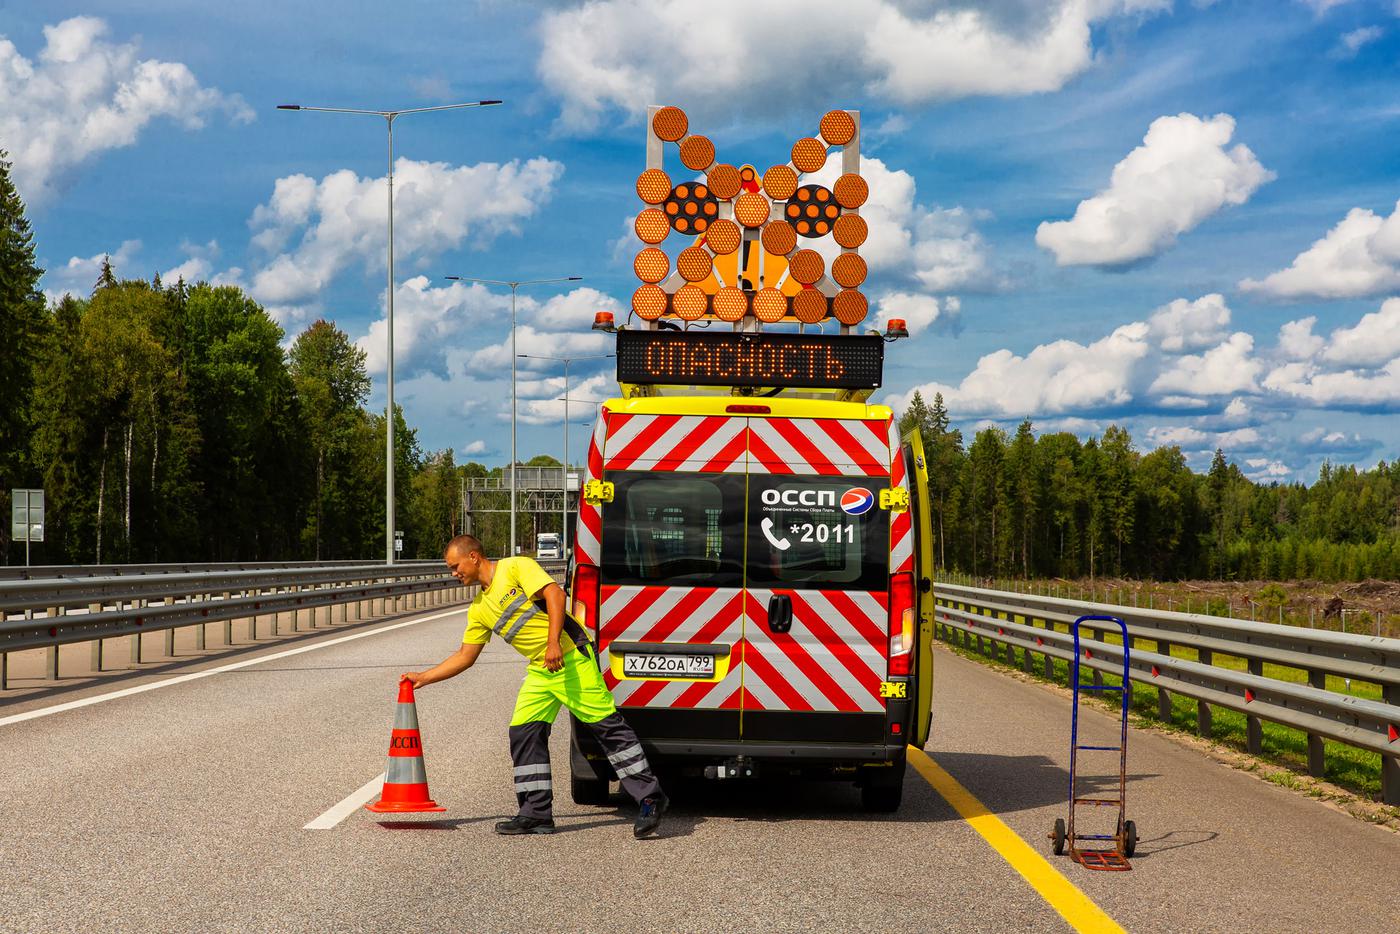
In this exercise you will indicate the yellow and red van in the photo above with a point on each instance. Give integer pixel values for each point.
(756, 575)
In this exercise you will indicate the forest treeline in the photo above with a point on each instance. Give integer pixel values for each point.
(1033, 505)
(167, 422)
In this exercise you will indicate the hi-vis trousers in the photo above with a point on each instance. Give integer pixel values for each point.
(578, 686)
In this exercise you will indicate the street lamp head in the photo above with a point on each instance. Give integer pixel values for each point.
(574, 279)
(289, 107)
(488, 103)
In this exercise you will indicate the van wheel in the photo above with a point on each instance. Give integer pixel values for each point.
(883, 789)
(588, 790)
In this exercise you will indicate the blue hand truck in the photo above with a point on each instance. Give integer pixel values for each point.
(1125, 836)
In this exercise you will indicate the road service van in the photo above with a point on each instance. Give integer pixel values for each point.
(752, 559)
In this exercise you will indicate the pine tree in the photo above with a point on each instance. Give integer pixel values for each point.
(22, 329)
(328, 373)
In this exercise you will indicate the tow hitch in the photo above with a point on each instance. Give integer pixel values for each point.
(737, 767)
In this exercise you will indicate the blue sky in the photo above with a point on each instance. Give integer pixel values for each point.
(1180, 217)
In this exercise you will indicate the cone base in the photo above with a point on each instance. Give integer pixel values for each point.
(404, 807)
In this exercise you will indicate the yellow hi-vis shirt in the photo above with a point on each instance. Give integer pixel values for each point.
(507, 608)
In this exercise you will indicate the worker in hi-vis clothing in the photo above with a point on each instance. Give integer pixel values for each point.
(522, 604)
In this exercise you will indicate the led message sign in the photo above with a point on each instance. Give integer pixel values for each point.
(696, 358)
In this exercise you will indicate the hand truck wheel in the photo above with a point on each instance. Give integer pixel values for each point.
(1127, 838)
(1057, 837)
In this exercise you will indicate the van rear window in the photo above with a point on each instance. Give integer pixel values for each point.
(674, 529)
(824, 533)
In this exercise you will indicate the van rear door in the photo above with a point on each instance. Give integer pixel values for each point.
(671, 618)
(817, 608)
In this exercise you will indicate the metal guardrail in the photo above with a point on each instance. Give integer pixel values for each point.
(75, 604)
(1038, 625)
(50, 571)
(68, 592)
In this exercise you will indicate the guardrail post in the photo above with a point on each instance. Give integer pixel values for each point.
(1097, 635)
(135, 638)
(1164, 697)
(343, 612)
(1317, 756)
(1047, 660)
(51, 666)
(1027, 659)
(169, 633)
(228, 628)
(4, 671)
(96, 643)
(1253, 727)
(1203, 720)
(1390, 765)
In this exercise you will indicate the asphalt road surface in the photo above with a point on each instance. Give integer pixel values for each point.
(184, 807)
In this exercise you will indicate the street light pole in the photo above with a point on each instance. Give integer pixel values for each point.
(389, 117)
(513, 285)
(564, 514)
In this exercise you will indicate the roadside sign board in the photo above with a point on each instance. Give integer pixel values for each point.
(27, 515)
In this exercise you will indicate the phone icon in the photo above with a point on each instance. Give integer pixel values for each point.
(781, 544)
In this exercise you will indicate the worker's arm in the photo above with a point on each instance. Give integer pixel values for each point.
(451, 666)
(553, 596)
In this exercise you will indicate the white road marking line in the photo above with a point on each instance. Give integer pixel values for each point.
(196, 675)
(348, 805)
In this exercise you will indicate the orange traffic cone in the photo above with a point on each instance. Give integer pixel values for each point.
(405, 780)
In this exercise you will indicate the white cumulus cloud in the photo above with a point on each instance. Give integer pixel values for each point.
(82, 95)
(1059, 378)
(318, 228)
(1225, 369)
(626, 54)
(1372, 341)
(1190, 325)
(1357, 258)
(921, 312)
(928, 247)
(1228, 385)
(1180, 175)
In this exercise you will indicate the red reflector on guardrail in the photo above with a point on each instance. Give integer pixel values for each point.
(1394, 735)
(1248, 696)
(1156, 671)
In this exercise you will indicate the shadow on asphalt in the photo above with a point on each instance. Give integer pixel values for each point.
(566, 824)
(1174, 840)
(1022, 783)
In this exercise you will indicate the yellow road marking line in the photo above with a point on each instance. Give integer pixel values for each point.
(1062, 895)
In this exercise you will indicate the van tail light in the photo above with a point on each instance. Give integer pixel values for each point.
(901, 623)
(585, 608)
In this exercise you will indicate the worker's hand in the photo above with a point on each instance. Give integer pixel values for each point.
(553, 657)
(414, 676)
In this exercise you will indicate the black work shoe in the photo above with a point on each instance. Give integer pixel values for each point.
(649, 815)
(522, 824)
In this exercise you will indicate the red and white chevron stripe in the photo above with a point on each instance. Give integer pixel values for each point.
(589, 532)
(901, 523)
(828, 446)
(675, 443)
(833, 658)
(698, 615)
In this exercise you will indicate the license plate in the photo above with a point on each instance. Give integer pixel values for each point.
(668, 666)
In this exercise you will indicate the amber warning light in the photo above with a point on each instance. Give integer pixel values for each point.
(694, 358)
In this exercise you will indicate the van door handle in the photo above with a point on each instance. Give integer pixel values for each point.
(779, 613)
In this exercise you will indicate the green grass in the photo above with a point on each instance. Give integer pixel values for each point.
(1356, 770)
